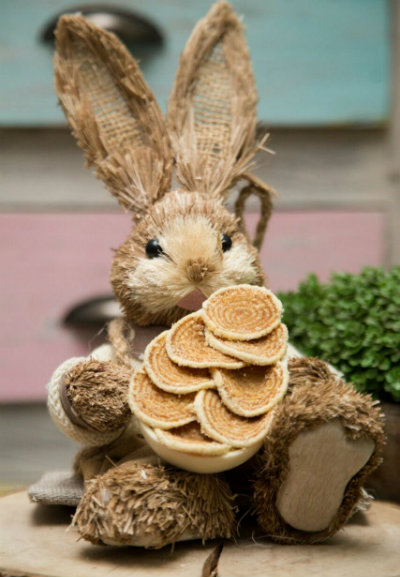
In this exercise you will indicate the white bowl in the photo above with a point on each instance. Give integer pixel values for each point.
(199, 463)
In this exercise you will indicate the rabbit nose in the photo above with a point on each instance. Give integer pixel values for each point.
(196, 269)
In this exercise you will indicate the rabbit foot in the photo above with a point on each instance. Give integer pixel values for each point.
(321, 463)
(324, 442)
(151, 506)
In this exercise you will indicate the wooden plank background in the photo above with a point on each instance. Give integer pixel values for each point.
(42, 170)
(54, 261)
(353, 173)
(316, 63)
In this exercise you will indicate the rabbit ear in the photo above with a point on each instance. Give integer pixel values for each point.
(112, 113)
(212, 110)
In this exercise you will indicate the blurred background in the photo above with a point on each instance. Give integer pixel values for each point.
(327, 73)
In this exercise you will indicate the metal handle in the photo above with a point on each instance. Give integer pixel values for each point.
(131, 28)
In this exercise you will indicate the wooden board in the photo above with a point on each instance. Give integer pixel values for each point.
(67, 259)
(42, 170)
(316, 63)
(34, 542)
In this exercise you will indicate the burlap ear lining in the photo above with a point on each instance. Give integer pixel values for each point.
(112, 113)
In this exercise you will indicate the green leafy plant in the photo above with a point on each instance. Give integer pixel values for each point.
(353, 322)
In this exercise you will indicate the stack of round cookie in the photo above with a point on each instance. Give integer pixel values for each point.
(205, 394)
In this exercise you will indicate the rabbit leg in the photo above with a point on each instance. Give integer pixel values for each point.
(147, 505)
(325, 441)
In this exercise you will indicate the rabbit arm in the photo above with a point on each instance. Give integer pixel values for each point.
(293, 353)
(86, 398)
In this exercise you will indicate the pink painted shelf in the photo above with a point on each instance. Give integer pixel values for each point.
(53, 261)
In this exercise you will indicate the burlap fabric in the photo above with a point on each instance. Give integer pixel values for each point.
(57, 488)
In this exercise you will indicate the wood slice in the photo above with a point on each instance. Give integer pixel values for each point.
(367, 547)
(34, 543)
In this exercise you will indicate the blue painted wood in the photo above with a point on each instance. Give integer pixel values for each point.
(317, 62)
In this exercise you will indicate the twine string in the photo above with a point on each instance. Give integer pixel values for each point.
(121, 336)
(264, 192)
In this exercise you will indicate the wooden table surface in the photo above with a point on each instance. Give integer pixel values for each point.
(34, 542)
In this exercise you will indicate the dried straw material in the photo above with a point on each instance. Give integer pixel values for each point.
(187, 346)
(57, 412)
(213, 105)
(315, 396)
(252, 391)
(158, 408)
(264, 192)
(151, 506)
(112, 113)
(263, 351)
(148, 288)
(221, 424)
(121, 336)
(169, 376)
(96, 393)
(242, 312)
(190, 439)
(212, 122)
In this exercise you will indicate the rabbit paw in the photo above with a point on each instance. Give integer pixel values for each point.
(96, 392)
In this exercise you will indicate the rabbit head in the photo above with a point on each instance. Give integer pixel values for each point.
(185, 244)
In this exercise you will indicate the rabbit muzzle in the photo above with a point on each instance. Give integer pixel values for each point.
(197, 269)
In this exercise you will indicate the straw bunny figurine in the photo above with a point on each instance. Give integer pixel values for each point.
(325, 439)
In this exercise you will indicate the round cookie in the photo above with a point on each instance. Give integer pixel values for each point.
(221, 424)
(242, 312)
(263, 351)
(252, 391)
(169, 376)
(187, 346)
(158, 408)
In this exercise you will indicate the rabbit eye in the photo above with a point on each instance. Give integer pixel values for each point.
(153, 248)
(226, 242)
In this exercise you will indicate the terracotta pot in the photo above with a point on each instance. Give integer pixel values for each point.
(385, 482)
